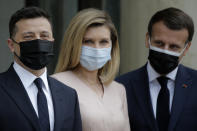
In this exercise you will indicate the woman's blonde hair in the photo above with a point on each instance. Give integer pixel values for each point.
(69, 56)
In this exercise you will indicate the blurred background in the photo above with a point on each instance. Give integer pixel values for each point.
(130, 17)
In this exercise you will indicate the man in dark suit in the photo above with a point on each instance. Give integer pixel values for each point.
(30, 100)
(162, 94)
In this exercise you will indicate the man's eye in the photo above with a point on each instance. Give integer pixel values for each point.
(45, 36)
(159, 43)
(28, 36)
(174, 47)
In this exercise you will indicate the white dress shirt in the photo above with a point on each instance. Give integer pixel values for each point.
(27, 78)
(155, 87)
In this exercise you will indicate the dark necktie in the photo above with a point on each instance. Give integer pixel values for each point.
(42, 107)
(163, 113)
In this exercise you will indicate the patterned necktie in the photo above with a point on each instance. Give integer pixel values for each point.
(163, 113)
(42, 107)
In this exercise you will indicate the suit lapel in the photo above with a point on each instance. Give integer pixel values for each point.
(16, 91)
(143, 96)
(183, 84)
(58, 103)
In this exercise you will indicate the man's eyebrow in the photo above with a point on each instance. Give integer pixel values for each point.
(46, 32)
(27, 33)
(175, 44)
(158, 41)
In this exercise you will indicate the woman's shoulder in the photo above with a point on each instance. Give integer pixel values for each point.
(63, 76)
(117, 89)
(116, 85)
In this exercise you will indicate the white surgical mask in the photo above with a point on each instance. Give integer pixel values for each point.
(94, 58)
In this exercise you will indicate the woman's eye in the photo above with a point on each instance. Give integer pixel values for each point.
(104, 42)
(87, 41)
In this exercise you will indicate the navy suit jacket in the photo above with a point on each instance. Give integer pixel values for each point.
(18, 114)
(184, 106)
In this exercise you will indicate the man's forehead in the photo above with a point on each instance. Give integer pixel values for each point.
(33, 25)
(31, 32)
(40, 21)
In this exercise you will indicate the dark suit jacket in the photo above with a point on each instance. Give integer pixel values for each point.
(18, 114)
(184, 106)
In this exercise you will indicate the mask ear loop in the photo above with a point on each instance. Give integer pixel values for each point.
(14, 51)
(149, 42)
(14, 41)
(183, 51)
(149, 46)
(186, 44)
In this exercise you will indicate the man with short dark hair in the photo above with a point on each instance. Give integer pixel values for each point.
(30, 99)
(162, 94)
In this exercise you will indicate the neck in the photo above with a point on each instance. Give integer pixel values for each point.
(91, 79)
(35, 72)
(86, 74)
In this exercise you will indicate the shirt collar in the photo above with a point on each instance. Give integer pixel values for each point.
(27, 78)
(152, 74)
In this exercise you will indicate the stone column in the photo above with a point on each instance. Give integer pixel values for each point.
(7, 8)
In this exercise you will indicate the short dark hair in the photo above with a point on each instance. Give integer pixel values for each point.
(174, 19)
(26, 13)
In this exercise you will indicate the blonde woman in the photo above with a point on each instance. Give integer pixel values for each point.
(88, 62)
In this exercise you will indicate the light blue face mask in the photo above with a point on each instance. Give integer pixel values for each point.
(94, 58)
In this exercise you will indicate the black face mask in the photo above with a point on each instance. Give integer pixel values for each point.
(35, 54)
(161, 62)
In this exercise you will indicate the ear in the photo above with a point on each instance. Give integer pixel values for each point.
(187, 48)
(147, 40)
(10, 45)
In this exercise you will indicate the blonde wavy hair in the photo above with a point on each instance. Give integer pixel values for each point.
(69, 55)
